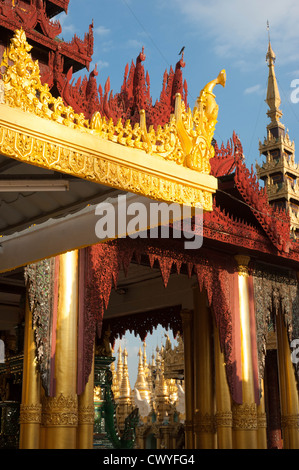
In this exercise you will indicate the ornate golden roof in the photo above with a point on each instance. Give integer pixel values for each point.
(140, 160)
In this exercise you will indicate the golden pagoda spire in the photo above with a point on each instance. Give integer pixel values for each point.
(119, 366)
(125, 388)
(145, 365)
(273, 97)
(141, 384)
(162, 405)
(115, 382)
(279, 172)
(161, 389)
(124, 402)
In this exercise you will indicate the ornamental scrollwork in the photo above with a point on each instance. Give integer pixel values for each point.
(40, 153)
(60, 411)
(39, 278)
(290, 421)
(224, 419)
(24, 90)
(30, 414)
(274, 293)
(245, 416)
(196, 130)
(86, 415)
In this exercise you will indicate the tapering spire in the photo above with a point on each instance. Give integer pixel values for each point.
(125, 388)
(115, 382)
(119, 366)
(161, 389)
(273, 97)
(141, 384)
(145, 364)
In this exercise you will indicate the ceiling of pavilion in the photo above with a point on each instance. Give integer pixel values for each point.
(21, 209)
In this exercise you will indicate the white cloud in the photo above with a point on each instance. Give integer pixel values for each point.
(254, 89)
(134, 43)
(294, 73)
(68, 29)
(106, 46)
(238, 27)
(101, 30)
(102, 64)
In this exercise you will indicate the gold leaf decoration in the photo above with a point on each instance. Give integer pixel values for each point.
(186, 140)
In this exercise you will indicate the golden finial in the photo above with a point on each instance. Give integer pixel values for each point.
(119, 366)
(144, 354)
(161, 389)
(140, 383)
(145, 364)
(273, 97)
(270, 57)
(125, 388)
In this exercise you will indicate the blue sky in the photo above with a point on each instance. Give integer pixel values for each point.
(217, 34)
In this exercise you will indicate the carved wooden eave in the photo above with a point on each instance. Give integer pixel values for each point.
(170, 164)
(37, 14)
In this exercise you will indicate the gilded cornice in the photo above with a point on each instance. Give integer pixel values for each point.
(169, 163)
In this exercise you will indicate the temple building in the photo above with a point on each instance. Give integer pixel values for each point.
(279, 171)
(70, 150)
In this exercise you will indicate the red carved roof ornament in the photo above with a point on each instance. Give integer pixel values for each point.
(223, 163)
(66, 58)
(275, 222)
(133, 96)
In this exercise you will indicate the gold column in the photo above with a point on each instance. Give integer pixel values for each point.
(245, 415)
(288, 388)
(30, 411)
(224, 419)
(204, 400)
(187, 320)
(60, 413)
(86, 414)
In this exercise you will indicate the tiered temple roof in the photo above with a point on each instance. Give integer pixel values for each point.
(56, 57)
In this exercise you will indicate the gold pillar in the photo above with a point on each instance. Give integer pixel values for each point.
(30, 411)
(245, 415)
(223, 399)
(86, 414)
(60, 413)
(204, 400)
(187, 320)
(288, 388)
